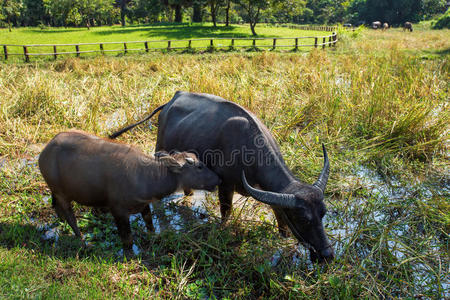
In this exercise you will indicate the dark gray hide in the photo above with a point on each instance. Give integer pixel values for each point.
(229, 140)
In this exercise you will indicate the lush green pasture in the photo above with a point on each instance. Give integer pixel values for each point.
(151, 33)
(379, 102)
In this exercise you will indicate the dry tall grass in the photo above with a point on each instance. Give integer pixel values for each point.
(378, 100)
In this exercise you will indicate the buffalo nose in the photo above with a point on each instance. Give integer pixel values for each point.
(327, 253)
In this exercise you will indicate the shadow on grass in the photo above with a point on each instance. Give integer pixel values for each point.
(179, 232)
(180, 32)
(209, 248)
(53, 31)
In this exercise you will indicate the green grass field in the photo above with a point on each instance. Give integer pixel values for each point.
(172, 32)
(379, 102)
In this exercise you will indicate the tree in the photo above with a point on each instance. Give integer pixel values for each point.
(177, 5)
(253, 9)
(285, 11)
(214, 6)
(432, 8)
(391, 11)
(10, 11)
(33, 12)
(197, 15)
(123, 9)
(147, 10)
(227, 12)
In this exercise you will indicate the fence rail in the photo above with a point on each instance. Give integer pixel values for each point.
(309, 27)
(314, 41)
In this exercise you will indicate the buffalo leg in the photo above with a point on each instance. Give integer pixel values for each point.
(123, 226)
(147, 216)
(282, 226)
(64, 211)
(226, 201)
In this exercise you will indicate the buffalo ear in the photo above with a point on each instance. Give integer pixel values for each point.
(171, 163)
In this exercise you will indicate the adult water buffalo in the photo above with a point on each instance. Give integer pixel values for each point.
(385, 26)
(408, 26)
(237, 146)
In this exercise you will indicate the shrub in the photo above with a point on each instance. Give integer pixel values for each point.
(443, 21)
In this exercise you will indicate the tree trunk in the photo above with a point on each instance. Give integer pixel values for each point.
(213, 13)
(197, 16)
(123, 5)
(227, 13)
(252, 27)
(178, 14)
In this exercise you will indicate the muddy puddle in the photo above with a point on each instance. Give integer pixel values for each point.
(175, 212)
(383, 212)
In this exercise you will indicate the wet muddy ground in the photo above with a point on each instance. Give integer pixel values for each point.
(378, 221)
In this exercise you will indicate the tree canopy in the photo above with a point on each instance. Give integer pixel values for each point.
(101, 12)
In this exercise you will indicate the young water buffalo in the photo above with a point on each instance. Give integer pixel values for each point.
(97, 172)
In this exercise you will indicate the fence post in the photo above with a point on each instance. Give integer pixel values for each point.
(125, 49)
(146, 46)
(101, 49)
(55, 53)
(315, 42)
(296, 44)
(168, 45)
(190, 44)
(211, 43)
(329, 41)
(323, 42)
(254, 43)
(77, 48)
(25, 52)
(232, 43)
(334, 39)
(274, 44)
(5, 51)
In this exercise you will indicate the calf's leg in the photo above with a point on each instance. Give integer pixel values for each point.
(147, 216)
(64, 210)
(123, 226)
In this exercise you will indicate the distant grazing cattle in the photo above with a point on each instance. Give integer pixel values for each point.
(385, 26)
(408, 26)
(376, 25)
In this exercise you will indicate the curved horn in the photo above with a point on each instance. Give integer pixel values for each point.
(117, 133)
(271, 198)
(321, 183)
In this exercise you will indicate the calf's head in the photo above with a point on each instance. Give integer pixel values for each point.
(192, 173)
(301, 207)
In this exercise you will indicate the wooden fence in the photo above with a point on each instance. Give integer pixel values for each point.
(309, 27)
(187, 44)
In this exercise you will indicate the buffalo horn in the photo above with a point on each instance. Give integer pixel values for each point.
(321, 183)
(271, 198)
